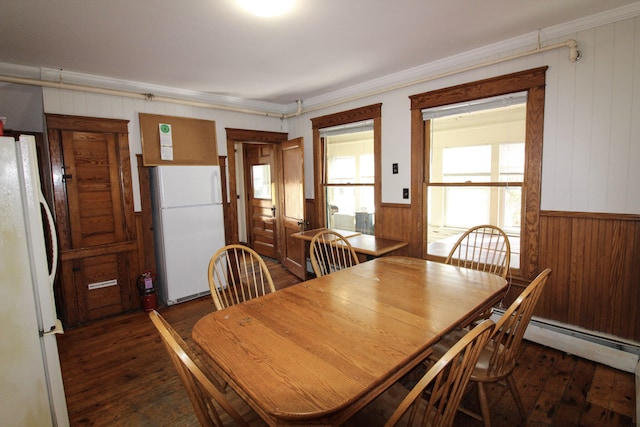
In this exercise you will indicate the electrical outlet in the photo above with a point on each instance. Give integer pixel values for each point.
(394, 168)
(405, 193)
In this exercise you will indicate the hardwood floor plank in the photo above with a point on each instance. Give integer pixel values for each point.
(623, 398)
(601, 387)
(596, 415)
(575, 395)
(531, 373)
(554, 388)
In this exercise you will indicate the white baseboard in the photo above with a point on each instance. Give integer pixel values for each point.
(607, 350)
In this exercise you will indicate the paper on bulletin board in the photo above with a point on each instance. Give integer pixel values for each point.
(166, 141)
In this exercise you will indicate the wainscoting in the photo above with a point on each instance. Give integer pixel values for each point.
(595, 260)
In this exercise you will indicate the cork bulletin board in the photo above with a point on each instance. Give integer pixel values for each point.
(193, 141)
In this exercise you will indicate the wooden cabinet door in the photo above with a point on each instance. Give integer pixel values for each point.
(93, 189)
(94, 212)
(100, 285)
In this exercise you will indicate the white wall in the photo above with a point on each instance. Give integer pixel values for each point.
(57, 101)
(591, 158)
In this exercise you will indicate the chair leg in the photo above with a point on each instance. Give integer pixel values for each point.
(516, 396)
(484, 405)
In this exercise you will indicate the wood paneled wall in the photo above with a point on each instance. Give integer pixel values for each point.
(595, 260)
(393, 222)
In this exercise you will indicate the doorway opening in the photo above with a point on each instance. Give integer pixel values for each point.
(266, 187)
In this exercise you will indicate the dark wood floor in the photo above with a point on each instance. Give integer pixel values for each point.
(116, 373)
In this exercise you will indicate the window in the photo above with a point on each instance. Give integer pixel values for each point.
(476, 170)
(481, 150)
(261, 175)
(346, 151)
(349, 181)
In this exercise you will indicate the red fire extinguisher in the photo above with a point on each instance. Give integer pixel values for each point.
(147, 289)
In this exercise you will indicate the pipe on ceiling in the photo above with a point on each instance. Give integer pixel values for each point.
(574, 55)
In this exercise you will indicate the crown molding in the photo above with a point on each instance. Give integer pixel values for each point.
(420, 73)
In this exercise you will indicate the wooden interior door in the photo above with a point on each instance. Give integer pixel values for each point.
(292, 204)
(94, 213)
(260, 191)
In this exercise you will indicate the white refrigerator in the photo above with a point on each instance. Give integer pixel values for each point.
(188, 225)
(31, 388)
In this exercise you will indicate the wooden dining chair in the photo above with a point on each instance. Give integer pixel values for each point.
(498, 359)
(434, 400)
(331, 252)
(237, 274)
(203, 393)
(484, 248)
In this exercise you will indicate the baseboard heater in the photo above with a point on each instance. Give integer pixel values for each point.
(189, 297)
(607, 350)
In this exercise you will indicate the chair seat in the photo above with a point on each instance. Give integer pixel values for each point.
(481, 371)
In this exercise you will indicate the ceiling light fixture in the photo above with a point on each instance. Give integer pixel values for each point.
(267, 8)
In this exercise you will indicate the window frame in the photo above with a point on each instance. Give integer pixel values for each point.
(533, 82)
(370, 112)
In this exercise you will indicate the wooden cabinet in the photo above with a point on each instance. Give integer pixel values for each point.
(93, 200)
(98, 283)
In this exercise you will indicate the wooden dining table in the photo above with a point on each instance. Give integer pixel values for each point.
(317, 352)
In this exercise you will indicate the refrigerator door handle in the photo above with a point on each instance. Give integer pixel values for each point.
(54, 240)
(217, 190)
(56, 329)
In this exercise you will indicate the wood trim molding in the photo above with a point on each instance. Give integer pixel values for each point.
(532, 81)
(350, 116)
(368, 112)
(235, 136)
(592, 215)
(494, 86)
(81, 124)
(92, 251)
(396, 205)
(247, 135)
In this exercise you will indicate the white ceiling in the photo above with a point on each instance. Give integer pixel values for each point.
(213, 46)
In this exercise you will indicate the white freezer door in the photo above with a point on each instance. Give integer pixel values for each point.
(191, 236)
(182, 186)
